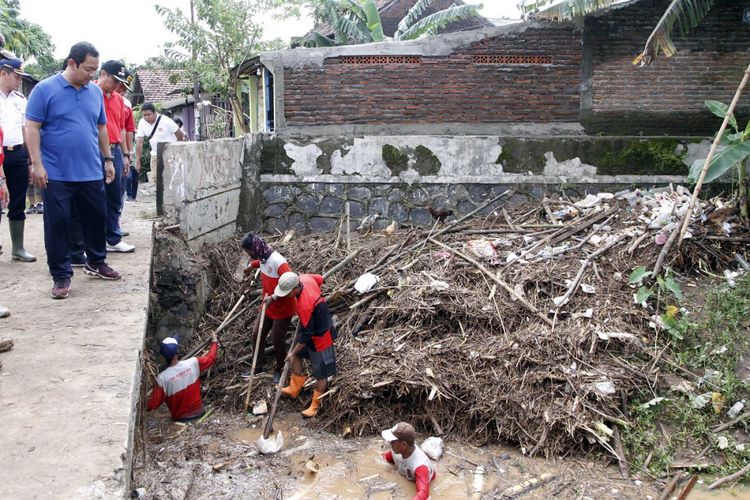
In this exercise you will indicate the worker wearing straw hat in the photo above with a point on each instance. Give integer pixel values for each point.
(316, 336)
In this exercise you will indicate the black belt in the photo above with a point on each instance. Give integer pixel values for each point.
(13, 148)
(113, 146)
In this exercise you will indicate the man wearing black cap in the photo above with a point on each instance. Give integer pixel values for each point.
(111, 76)
(12, 110)
(179, 384)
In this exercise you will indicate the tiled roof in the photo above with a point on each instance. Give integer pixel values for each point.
(156, 84)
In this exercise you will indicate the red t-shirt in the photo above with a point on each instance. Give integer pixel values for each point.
(270, 272)
(114, 107)
(2, 151)
(180, 387)
(129, 122)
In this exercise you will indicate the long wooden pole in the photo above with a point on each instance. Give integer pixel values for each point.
(261, 320)
(710, 157)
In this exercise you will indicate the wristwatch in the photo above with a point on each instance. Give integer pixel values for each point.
(109, 158)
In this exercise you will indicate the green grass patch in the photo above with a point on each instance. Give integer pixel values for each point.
(674, 429)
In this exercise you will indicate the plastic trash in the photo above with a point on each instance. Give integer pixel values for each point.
(270, 445)
(606, 387)
(433, 447)
(589, 201)
(366, 282)
(736, 409)
(483, 249)
(701, 400)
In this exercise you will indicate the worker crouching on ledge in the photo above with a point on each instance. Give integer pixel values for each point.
(179, 385)
(409, 459)
(316, 336)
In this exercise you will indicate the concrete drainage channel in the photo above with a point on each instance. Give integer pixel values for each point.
(210, 191)
(217, 457)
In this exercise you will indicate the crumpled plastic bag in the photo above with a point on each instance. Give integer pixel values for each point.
(270, 445)
(366, 282)
(483, 249)
(433, 447)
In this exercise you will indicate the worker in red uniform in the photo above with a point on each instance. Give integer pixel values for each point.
(280, 310)
(409, 459)
(316, 336)
(179, 385)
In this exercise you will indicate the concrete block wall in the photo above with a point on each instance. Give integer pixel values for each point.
(304, 183)
(200, 188)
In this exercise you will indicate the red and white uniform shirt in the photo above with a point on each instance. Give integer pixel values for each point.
(180, 387)
(270, 272)
(417, 468)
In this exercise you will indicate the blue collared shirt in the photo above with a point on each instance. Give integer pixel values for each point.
(70, 134)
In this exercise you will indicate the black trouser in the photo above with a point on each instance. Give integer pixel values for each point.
(279, 329)
(90, 202)
(16, 167)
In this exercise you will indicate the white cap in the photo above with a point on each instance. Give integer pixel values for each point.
(287, 283)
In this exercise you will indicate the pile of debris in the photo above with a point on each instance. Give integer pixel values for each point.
(513, 324)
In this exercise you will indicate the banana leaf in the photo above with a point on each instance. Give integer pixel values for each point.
(687, 14)
(434, 22)
(373, 20)
(720, 109)
(411, 17)
(722, 162)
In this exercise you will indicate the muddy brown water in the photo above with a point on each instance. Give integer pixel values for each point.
(217, 459)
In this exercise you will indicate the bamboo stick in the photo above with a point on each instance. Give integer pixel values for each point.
(711, 153)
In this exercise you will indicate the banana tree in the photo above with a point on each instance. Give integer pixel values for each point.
(734, 155)
(358, 21)
(680, 15)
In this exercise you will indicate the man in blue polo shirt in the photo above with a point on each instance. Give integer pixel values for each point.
(66, 131)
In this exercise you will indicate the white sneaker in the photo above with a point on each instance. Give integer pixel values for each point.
(121, 247)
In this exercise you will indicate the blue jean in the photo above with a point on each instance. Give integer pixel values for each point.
(89, 201)
(114, 199)
(131, 186)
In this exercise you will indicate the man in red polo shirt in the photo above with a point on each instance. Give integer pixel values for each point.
(111, 76)
(316, 336)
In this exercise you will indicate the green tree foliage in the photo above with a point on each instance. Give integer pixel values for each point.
(225, 33)
(25, 39)
(681, 15)
(358, 21)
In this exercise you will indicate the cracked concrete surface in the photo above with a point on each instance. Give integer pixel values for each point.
(68, 386)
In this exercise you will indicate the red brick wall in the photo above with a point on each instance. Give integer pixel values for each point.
(449, 89)
(708, 65)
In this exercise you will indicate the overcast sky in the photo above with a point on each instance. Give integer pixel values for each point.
(133, 31)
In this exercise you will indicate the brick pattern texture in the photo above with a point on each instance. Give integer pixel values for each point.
(709, 62)
(449, 89)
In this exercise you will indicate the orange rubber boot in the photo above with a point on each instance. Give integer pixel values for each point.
(295, 386)
(314, 405)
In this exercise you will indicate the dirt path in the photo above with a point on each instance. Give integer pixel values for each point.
(66, 388)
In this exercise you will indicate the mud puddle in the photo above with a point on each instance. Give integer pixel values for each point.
(218, 459)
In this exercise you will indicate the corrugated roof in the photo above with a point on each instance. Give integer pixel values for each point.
(157, 85)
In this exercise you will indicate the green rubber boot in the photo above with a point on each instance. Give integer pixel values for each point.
(16, 237)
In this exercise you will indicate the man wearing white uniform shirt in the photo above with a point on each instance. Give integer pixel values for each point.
(12, 110)
(158, 128)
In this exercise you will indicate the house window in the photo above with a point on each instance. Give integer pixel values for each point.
(506, 60)
(380, 59)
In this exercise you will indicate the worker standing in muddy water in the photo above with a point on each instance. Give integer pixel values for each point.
(179, 385)
(410, 461)
(280, 310)
(316, 336)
